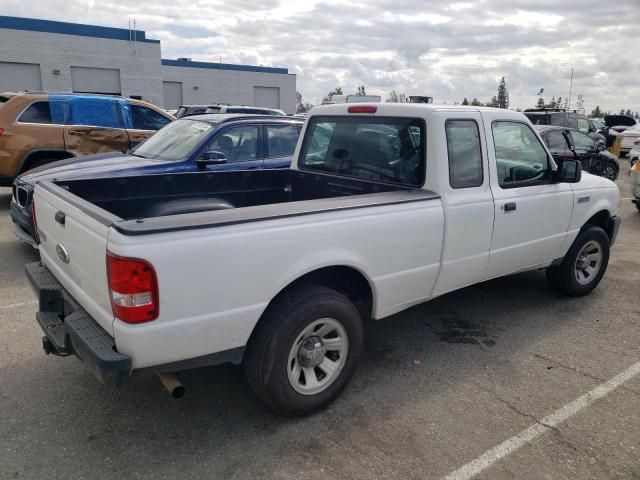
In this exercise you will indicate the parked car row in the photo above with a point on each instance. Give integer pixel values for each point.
(39, 128)
(189, 144)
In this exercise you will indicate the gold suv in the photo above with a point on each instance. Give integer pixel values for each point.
(38, 128)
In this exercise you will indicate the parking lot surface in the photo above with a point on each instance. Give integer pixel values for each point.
(466, 386)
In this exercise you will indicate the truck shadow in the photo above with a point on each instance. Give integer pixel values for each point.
(406, 360)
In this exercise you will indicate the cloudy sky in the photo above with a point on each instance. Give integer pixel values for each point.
(445, 50)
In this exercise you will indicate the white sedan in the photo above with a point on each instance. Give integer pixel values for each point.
(629, 136)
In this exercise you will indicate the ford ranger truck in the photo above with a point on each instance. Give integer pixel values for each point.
(386, 206)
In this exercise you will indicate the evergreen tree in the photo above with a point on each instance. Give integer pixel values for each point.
(540, 103)
(465, 101)
(596, 113)
(503, 94)
(335, 91)
(476, 103)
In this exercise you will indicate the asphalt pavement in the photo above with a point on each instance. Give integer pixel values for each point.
(502, 380)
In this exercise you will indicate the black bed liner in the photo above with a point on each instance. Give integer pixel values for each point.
(256, 195)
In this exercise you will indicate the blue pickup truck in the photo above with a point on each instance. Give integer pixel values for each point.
(198, 143)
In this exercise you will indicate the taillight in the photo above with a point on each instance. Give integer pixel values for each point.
(1, 131)
(636, 142)
(36, 236)
(362, 109)
(133, 289)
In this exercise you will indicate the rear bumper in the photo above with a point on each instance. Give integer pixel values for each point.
(70, 330)
(23, 224)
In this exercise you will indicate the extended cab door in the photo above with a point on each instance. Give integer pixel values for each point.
(95, 126)
(467, 202)
(144, 122)
(532, 213)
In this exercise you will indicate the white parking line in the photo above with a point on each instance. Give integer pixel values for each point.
(509, 446)
(16, 305)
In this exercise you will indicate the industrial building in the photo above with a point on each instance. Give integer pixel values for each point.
(70, 57)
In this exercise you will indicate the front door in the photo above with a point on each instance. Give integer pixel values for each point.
(143, 123)
(532, 213)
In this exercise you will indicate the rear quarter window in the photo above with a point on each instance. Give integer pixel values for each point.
(37, 112)
(383, 149)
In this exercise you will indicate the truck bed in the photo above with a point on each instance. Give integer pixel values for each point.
(156, 203)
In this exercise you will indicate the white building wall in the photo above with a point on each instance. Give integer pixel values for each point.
(229, 86)
(138, 62)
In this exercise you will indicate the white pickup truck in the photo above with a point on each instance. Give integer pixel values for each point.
(385, 207)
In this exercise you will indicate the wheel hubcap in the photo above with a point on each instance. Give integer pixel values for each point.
(609, 173)
(588, 263)
(317, 356)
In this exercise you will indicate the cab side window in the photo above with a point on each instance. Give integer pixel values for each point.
(465, 153)
(147, 119)
(521, 159)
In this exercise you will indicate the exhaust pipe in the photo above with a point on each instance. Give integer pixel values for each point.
(172, 384)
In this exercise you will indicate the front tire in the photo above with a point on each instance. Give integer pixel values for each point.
(305, 350)
(584, 264)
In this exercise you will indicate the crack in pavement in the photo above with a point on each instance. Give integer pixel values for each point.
(581, 373)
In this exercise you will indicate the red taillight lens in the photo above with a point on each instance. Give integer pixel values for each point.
(1, 131)
(36, 237)
(133, 289)
(637, 142)
(362, 109)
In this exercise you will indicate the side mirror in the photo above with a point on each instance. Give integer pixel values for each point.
(570, 171)
(211, 157)
(600, 146)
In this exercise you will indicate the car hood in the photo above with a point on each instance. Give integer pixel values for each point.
(92, 165)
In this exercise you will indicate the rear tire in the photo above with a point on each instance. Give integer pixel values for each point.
(305, 350)
(610, 171)
(584, 264)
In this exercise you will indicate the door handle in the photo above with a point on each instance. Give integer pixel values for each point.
(510, 207)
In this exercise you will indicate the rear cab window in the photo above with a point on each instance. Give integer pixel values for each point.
(384, 149)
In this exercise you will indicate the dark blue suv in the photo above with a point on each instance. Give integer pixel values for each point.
(203, 142)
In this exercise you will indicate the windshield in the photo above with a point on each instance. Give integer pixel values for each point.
(175, 141)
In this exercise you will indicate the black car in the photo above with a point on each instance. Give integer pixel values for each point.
(563, 118)
(569, 144)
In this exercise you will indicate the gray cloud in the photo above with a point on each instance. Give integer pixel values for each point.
(447, 50)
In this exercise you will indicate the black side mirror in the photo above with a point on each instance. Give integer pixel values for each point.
(570, 171)
(211, 157)
(600, 146)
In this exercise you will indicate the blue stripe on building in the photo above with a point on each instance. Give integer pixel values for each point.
(223, 66)
(66, 28)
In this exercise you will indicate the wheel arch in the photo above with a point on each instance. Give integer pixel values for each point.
(602, 220)
(36, 154)
(345, 279)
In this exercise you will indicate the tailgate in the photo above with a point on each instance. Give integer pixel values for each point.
(73, 247)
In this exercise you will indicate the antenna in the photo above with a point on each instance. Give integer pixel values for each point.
(570, 88)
